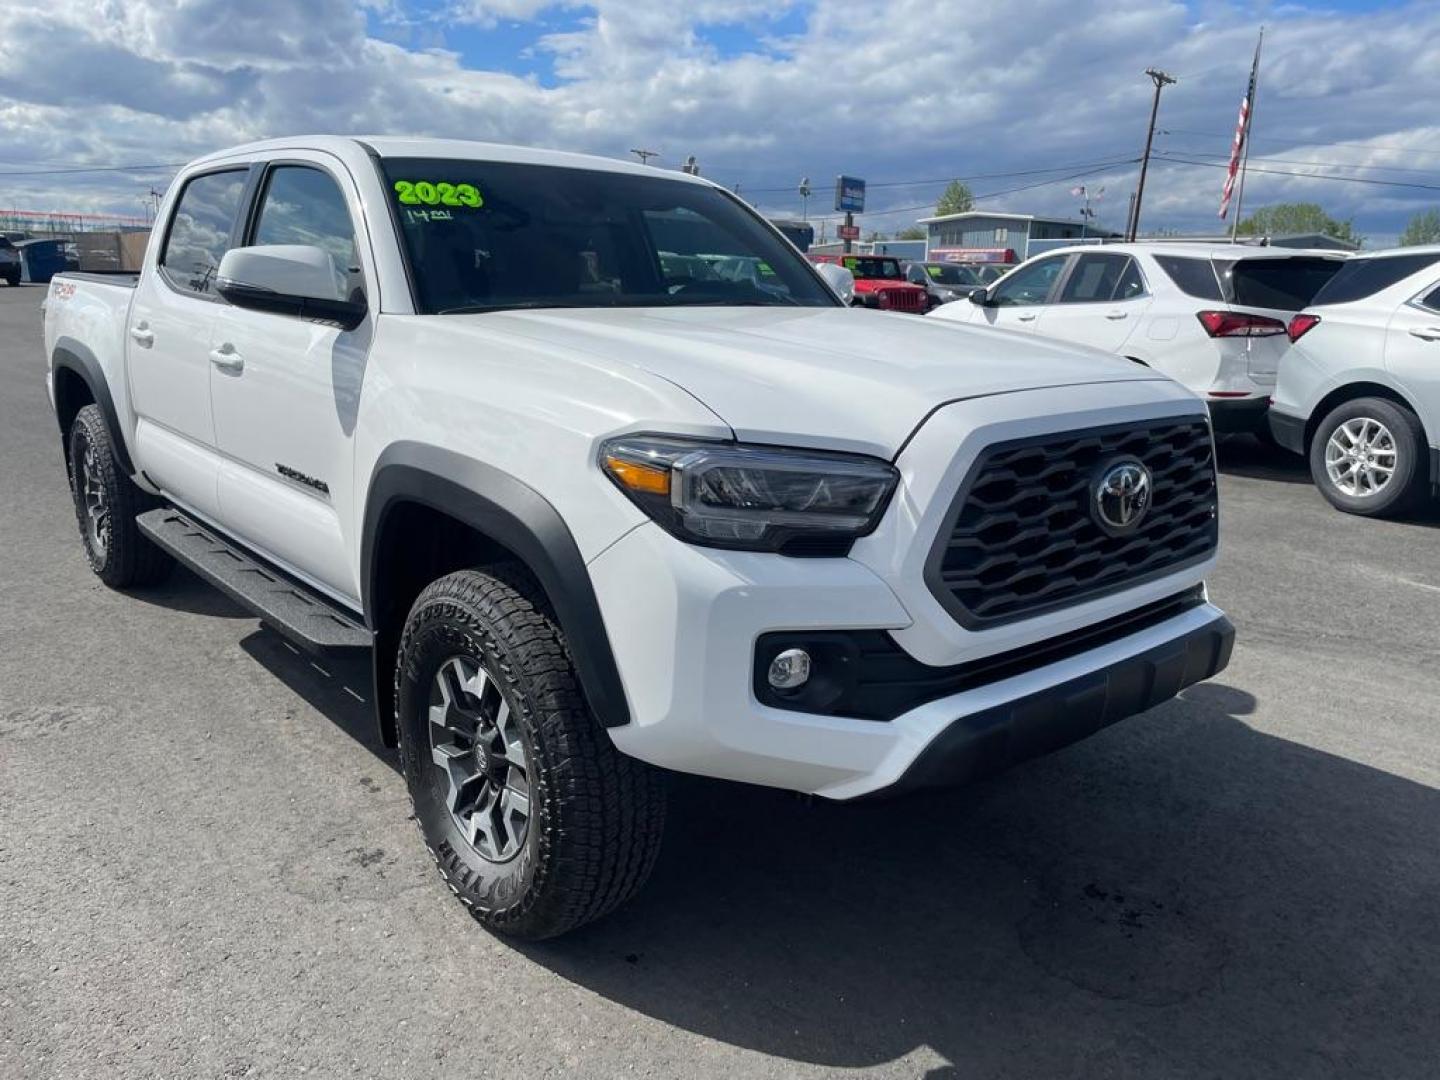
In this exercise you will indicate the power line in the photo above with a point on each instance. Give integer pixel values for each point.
(94, 169)
(987, 195)
(967, 179)
(1304, 175)
(1362, 143)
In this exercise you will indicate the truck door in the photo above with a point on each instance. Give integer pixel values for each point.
(287, 397)
(168, 345)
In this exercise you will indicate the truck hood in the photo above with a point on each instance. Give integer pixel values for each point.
(824, 377)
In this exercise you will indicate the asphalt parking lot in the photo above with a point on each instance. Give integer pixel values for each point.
(207, 867)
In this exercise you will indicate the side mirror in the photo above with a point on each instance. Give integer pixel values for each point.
(840, 280)
(980, 297)
(289, 279)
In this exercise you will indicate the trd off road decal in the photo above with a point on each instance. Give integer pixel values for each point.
(300, 478)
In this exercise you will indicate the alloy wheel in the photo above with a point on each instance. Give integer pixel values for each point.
(1360, 457)
(475, 741)
(92, 492)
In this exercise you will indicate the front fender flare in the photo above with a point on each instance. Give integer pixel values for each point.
(519, 519)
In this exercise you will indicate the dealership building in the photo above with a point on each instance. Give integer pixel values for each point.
(987, 236)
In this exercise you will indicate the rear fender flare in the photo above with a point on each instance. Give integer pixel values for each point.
(71, 355)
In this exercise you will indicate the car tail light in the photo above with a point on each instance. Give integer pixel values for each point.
(1300, 325)
(1239, 324)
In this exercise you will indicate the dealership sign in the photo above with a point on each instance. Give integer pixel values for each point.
(849, 195)
(849, 232)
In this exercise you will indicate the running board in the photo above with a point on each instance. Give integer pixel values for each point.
(311, 621)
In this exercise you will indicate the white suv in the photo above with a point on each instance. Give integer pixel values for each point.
(1359, 392)
(1212, 317)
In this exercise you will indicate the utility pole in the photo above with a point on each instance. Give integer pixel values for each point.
(805, 198)
(1161, 80)
(691, 166)
(645, 155)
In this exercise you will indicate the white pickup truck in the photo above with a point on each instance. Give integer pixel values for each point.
(598, 511)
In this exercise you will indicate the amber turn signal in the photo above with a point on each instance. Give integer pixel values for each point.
(642, 479)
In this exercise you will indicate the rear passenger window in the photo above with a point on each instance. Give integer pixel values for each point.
(1094, 279)
(1131, 283)
(1193, 277)
(1432, 300)
(200, 230)
(1362, 278)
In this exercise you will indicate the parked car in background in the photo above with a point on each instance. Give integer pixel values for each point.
(943, 282)
(880, 283)
(1359, 390)
(9, 262)
(1211, 317)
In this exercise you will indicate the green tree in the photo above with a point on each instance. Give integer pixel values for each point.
(1424, 228)
(1283, 218)
(956, 199)
(914, 232)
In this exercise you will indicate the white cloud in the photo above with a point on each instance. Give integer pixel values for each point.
(905, 89)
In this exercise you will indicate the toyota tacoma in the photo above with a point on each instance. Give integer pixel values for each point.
(486, 416)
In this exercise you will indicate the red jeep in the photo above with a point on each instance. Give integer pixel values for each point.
(880, 283)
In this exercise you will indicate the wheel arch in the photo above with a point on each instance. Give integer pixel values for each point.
(1350, 391)
(78, 380)
(460, 513)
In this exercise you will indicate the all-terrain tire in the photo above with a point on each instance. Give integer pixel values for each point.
(1406, 485)
(595, 815)
(119, 553)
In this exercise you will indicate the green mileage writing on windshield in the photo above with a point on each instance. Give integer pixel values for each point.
(425, 193)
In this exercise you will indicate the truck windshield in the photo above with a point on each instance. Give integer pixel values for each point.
(488, 236)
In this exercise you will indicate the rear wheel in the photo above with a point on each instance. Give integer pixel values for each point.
(1368, 457)
(106, 502)
(536, 822)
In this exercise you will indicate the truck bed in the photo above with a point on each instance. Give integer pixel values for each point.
(127, 279)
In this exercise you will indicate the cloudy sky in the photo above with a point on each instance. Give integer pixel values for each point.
(1023, 98)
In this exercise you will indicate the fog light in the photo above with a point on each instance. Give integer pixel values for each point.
(789, 670)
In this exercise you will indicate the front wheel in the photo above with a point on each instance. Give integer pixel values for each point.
(1368, 457)
(536, 822)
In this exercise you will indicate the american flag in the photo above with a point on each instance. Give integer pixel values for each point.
(1242, 132)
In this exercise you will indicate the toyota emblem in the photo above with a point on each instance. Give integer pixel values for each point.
(1122, 496)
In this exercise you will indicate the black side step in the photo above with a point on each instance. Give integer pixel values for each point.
(311, 621)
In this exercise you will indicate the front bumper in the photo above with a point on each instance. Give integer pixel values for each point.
(684, 623)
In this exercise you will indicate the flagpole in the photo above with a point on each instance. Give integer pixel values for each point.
(1245, 150)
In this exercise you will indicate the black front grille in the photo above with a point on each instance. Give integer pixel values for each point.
(1021, 538)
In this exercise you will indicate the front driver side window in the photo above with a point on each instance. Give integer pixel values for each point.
(1029, 284)
(303, 205)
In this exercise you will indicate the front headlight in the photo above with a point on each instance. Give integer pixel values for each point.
(756, 498)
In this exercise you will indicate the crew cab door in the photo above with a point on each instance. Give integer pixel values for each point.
(1099, 303)
(1017, 300)
(168, 340)
(287, 395)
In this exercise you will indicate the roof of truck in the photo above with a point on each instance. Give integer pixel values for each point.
(404, 146)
